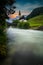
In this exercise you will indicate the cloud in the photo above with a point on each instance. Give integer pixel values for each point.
(13, 15)
(25, 8)
(28, 6)
(32, 6)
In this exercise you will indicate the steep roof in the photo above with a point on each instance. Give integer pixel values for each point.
(22, 17)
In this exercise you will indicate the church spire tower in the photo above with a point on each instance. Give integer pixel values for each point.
(19, 13)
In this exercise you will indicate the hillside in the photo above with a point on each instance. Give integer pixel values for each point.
(35, 12)
(36, 21)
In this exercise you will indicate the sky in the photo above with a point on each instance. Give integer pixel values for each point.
(26, 6)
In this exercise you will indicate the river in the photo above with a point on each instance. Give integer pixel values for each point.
(25, 47)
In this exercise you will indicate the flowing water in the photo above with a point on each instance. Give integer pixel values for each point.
(25, 47)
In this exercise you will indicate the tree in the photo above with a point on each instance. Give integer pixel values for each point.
(24, 25)
(6, 8)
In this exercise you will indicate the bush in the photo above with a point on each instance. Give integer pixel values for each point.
(15, 23)
(24, 25)
(3, 40)
(3, 45)
(2, 25)
(20, 25)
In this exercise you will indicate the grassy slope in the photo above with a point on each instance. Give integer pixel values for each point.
(36, 21)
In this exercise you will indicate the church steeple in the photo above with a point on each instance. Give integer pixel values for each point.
(19, 13)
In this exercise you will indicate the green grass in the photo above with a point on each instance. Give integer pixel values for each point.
(36, 21)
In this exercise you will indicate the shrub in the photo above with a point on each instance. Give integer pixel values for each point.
(15, 23)
(3, 45)
(24, 25)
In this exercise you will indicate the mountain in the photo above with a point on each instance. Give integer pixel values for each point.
(35, 12)
(36, 22)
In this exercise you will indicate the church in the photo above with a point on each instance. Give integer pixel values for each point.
(22, 18)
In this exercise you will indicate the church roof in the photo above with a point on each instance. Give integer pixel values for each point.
(22, 17)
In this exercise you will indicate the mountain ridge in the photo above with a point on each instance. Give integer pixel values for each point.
(35, 12)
